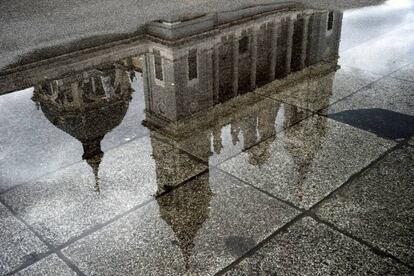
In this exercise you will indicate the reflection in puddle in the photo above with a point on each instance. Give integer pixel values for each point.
(141, 122)
(195, 78)
(183, 82)
(195, 74)
(185, 211)
(87, 107)
(146, 123)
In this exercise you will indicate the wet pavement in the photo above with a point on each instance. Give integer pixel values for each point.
(275, 139)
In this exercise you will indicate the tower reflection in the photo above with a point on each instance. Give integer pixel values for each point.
(197, 76)
(185, 211)
(87, 106)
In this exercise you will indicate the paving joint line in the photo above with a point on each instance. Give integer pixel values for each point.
(38, 257)
(192, 156)
(69, 263)
(26, 182)
(262, 191)
(96, 228)
(51, 249)
(244, 150)
(350, 95)
(310, 212)
(284, 102)
(359, 173)
(264, 140)
(39, 177)
(361, 241)
(284, 228)
(26, 264)
(401, 79)
(261, 244)
(383, 76)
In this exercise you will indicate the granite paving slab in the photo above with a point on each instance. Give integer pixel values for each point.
(306, 162)
(18, 244)
(196, 229)
(385, 108)
(312, 248)
(388, 93)
(378, 206)
(320, 91)
(49, 266)
(63, 205)
(257, 119)
(405, 73)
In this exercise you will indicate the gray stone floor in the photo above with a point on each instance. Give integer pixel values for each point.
(321, 193)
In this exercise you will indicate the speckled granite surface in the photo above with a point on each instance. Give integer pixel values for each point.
(279, 144)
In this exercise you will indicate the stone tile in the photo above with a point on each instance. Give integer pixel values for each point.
(50, 265)
(35, 141)
(405, 73)
(197, 230)
(383, 55)
(18, 244)
(378, 206)
(311, 248)
(248, 120)
(388, 93)
(320, 91)
(385, 108)
(63, 205)
(30, 145)
(306, 162)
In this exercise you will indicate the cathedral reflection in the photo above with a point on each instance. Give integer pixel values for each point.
(196, 97)
(185, 211)
(87, 106)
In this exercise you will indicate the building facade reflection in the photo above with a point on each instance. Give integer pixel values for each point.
(196, 97)
(193, 88)
(232, 59)
(195, 77)
(191, 70)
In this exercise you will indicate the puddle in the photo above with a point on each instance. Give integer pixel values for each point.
(186, 83)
